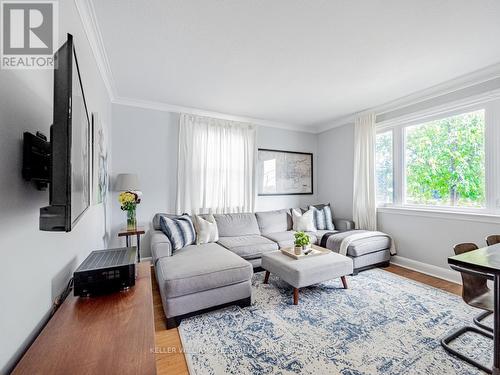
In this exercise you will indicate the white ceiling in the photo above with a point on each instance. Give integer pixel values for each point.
(297, 62)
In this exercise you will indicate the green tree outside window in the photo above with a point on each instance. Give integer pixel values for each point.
(445, 161)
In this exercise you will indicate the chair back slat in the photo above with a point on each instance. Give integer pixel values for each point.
(472, 285)
(493, 239)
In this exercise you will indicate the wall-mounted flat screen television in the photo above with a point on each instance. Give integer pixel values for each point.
(69, 171)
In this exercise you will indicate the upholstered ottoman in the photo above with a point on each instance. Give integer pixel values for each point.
(300, 273)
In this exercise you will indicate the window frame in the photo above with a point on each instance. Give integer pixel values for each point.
(491, 109)
(386, 204)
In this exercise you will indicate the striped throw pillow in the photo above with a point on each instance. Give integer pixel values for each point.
(323, 218)
(180, 231)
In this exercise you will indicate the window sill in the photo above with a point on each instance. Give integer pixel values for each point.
(480, 217)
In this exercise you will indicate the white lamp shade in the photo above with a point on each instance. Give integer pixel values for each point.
(127, 182)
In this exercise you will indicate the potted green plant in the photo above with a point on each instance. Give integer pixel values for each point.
(302, 242)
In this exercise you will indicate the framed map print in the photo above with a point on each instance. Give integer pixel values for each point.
(284, 172)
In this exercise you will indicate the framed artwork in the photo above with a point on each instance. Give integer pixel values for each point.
(99, 161)
(284, 172)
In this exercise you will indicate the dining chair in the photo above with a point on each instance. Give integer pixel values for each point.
(490, 241)
(493, 239)
(475, 293)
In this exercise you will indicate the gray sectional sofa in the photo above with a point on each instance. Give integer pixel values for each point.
(198, 278)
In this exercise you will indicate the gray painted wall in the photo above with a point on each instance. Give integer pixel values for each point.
(335, 169)
(36, 266)
(145, 142)
(430, 239)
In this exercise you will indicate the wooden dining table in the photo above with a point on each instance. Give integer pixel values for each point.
(485, 261)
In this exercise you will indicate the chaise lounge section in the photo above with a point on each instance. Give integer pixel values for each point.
(198, 278)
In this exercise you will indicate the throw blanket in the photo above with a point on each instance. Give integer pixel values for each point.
(340, 241)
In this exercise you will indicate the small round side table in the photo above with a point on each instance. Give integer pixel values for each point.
(130, 233)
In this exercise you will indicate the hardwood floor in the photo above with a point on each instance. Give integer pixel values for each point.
(170, 359)
(426, 279)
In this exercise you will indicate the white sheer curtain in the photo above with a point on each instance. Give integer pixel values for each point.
(364, 199)
(215, 166)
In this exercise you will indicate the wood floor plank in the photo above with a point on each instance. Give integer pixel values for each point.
(426, 279)
(169, 357)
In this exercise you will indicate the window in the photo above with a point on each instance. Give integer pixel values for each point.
(384, 168)
(215, 165)
(448, 160)
(445, 162)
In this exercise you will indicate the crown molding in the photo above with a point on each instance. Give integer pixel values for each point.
(462, 82)
(160, 106)
(335, 123)
(88, 17)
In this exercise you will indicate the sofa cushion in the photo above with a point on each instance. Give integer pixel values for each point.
(160, 245)
(196, 268)
(362, 246)
(240, 224)
(368, 245)
(320, 233)
(248, 247)
(283, 239)
(322, 218)
(180, 231)
(274, 221)
(318, 206)
(157, 217)
(286, 239)
(303, 221)
(206, 229)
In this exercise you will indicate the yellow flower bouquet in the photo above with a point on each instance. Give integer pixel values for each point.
(128, 202)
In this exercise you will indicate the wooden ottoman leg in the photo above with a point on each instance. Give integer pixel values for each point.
(295, 296)
(266, 278)
(344, 282)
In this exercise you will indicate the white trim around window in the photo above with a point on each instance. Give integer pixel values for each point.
(490, 102)
(440, 214)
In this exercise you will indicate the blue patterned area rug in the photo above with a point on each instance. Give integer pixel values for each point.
(382, 324)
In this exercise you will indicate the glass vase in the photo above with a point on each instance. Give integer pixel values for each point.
(131, 220)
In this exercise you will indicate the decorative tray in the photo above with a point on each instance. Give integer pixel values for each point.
(315, 251)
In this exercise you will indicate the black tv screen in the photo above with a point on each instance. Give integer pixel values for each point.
(69, 192)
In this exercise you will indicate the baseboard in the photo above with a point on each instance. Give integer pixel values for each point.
(428, 269)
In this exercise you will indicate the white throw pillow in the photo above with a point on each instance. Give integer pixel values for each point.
(303, 222)
(206, 229)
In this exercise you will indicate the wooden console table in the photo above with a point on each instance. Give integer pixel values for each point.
(112, 334)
